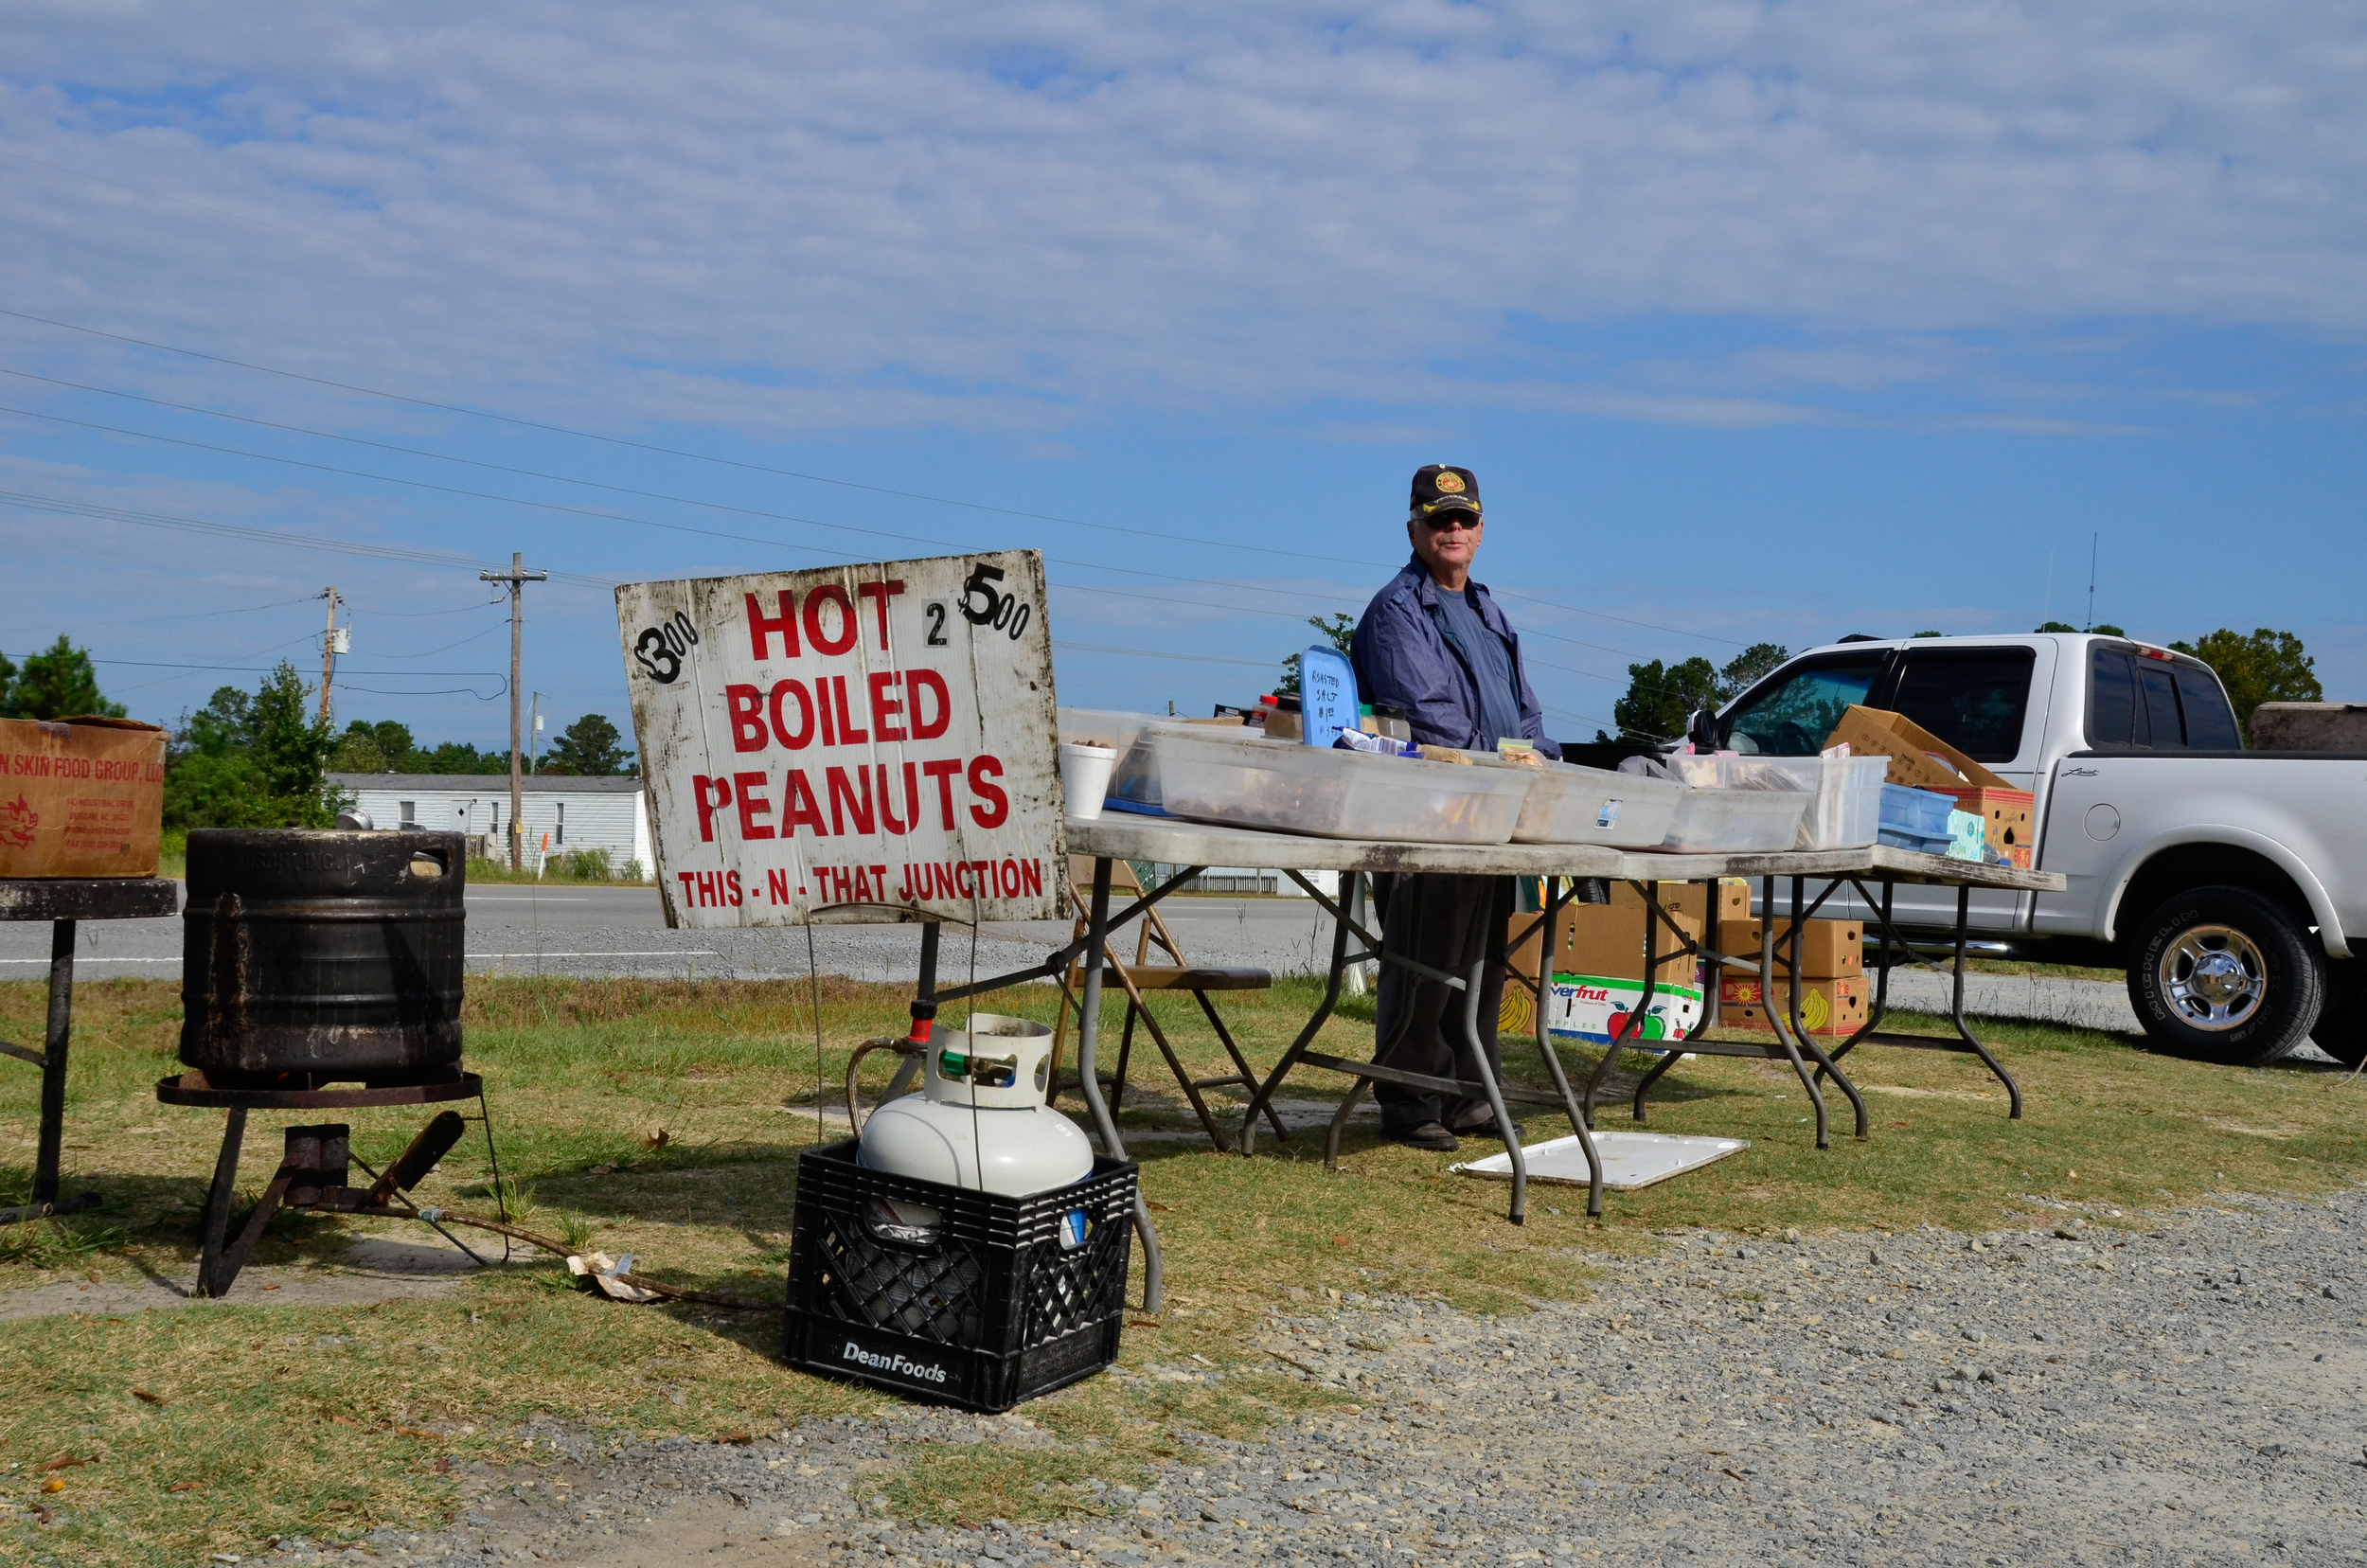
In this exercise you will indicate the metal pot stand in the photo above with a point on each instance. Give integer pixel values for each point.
(312, 1172)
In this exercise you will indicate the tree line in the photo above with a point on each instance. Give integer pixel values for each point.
(262, 758)
(2266, 667)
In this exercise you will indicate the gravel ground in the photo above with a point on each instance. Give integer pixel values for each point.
(2080, 1392)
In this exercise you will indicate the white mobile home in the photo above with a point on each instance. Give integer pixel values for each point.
(561, 813)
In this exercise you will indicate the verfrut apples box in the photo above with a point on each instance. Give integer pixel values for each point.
(80, 797)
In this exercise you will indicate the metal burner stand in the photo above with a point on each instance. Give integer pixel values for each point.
(312, 1173)
(63, 901)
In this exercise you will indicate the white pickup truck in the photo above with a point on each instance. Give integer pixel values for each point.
(2224, 881)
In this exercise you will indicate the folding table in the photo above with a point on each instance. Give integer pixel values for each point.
(63, 902)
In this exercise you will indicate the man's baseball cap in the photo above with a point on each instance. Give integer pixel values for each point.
(1441, 487)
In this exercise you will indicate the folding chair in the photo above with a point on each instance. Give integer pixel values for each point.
(1142, 977)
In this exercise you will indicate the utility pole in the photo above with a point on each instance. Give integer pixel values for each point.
(330, 647)
(517, 577)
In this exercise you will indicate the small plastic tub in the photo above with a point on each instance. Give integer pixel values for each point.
(1846, 812)
(1227, 776)
(1709, 822)
(1922, 843)
(1568, 804)
(1916, 812)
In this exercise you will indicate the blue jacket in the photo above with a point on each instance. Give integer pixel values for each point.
(1404, 660)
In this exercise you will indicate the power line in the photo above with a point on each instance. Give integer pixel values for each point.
(67, 507)
(811, 478)
(683, 528)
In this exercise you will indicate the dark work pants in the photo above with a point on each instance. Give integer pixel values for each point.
(1448, 923)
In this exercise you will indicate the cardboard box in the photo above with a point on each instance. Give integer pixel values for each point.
(1879, 732)
(1597, 1010)
(1827, 1007)
(80, 797)
(1691, 900)
(1604, 941)
(2008, 813)
(1832, 950)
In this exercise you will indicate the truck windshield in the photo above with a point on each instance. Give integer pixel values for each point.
(1972, 698)
(1792, 717)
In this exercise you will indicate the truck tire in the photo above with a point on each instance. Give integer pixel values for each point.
(2224, 974)
(2342, 1028)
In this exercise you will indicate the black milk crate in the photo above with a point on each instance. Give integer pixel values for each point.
(989, 1310)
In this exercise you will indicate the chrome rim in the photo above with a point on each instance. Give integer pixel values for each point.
(2214, 976)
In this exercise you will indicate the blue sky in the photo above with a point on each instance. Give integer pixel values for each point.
(1756, 321)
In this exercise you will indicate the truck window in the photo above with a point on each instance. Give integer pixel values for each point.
(2115, 717)
(1792, 717)
(1972, 698)
(2160, 694)
(2210, 718)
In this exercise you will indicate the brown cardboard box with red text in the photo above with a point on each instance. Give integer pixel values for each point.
(1827, 1007)
(80, 797)
(1835, 949)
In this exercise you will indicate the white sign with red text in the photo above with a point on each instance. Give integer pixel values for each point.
(873, 742)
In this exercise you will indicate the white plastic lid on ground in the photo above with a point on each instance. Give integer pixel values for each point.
(1630, 1160)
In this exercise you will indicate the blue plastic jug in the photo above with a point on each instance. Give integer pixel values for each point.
(1326, 696)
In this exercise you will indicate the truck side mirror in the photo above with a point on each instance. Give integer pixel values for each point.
(1702, 729)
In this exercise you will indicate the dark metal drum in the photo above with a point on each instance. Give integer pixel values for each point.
(331, 955)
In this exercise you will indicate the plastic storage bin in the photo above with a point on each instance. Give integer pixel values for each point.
(1247, 781)
(1846, 812)
(1916, 812)
(1134, 781)
(1710, 822)
(1568, 804)
(1922, 843)
(1010, 1299)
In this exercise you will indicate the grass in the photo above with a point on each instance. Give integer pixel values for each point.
(213, 1430)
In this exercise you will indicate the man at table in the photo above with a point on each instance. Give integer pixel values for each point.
(1433, 645)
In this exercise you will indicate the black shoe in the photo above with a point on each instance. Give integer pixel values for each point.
(1429, 1134)
(1488, 1129)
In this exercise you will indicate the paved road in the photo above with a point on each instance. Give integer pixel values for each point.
(519, 929)
(575, 929)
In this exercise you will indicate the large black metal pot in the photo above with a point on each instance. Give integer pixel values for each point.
(335, 955)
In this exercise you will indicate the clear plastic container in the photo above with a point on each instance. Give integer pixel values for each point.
(1846, 812)
(1240, 781)
(1135, 779)
(1568, 804)
(1709, 822)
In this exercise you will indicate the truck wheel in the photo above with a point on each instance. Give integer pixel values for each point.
(2224, 974)
(2341, 1030)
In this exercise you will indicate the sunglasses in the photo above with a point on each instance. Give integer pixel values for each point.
(1440, 521)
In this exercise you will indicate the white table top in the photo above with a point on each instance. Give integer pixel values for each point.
(1174, 841)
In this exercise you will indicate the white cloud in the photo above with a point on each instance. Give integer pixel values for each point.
(995, 217)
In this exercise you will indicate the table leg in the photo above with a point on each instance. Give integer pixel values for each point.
(1554, 902)
(1088, 1033)
(1776, 1015)
(1634, 1028)
(53, 1059)
(217, 1202)
(1266, 1090)
(1473, 980)
(1964, 1031)
(1808, 1040)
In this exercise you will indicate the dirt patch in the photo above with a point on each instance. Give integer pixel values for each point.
(374, 1268)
